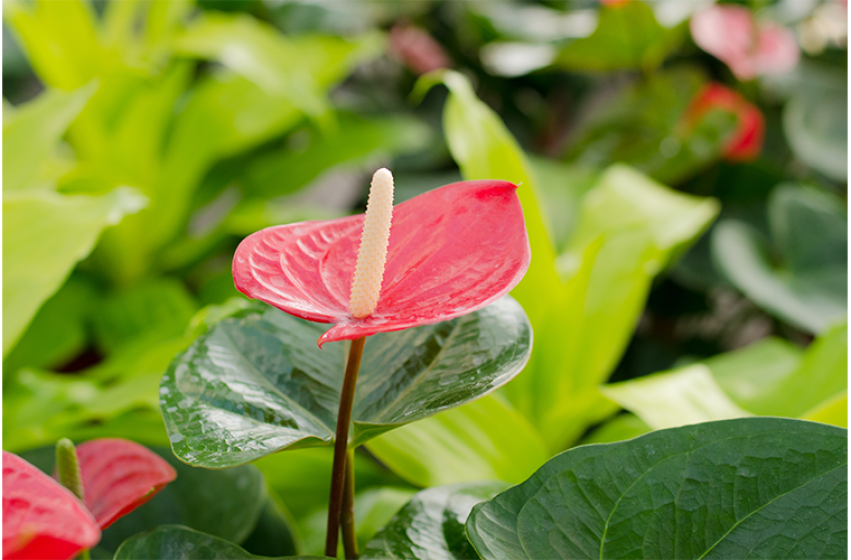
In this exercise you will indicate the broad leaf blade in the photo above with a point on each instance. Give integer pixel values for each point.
(44, 235)
(174, 542)
(431, 526)
(258, 384)
(756, 488)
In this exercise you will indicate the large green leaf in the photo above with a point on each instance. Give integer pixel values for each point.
(629, 229)
(806, 286)
(44, 235)
(31, 135)
(746, 488)
(224, 503)
(768, 378)
(175, 542)
(431, 526)
(483, 440)
(627, 36)
(259, 384)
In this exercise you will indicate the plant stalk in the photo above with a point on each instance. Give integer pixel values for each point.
(347, 520)
(338, 471)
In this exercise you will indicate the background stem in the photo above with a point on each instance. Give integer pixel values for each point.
(347, 519)
(338, 472)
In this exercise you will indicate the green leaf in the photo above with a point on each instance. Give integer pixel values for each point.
(60, 40)
(770, 378)
(224, 503)
(274, 534)
(353, 141)
(155, 309)
(63, 321)
(259, 384)
(44, 235)
(815, 122)
(627, 36)
(619, 428)
(629, 230)
(31, 135)
(755, 488)
(431, 526)
(485, 439)
(807, 287)
(174, 542)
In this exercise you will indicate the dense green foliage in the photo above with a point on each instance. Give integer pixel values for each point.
(673, 279)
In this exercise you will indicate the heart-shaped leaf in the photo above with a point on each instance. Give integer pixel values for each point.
(173, 542)
(258, 384)
(431, 525)
(745, 488)
(41, 519)
(119, 476)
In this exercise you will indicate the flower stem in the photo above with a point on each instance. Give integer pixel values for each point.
(338, 471)
(347, 520)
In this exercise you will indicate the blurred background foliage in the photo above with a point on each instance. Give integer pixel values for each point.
(685, 201)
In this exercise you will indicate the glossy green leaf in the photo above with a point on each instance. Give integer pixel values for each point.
(483, 440)
(627, 36)
(746, 488)
(175, 542)
(44, 235)
(374, 508)
(815, 122)
(31, 135)
(807, 287)
(770, 378)
(260, 384)
(224, 503)
(431, 526)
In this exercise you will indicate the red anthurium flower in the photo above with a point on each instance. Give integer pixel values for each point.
(731, 34)
(119, 476)
(452, 250)
(41, 518)
(745, 143)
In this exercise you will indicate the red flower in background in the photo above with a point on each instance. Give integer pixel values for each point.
(42, 519)
(731, 34)
(745, 143)
(119, 476)
(452, 250)
(417, 49)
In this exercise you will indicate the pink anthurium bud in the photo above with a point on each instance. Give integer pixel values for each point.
(118, 476)
(750, 49)
(41, 518)
(452, 250)
(745, 143)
